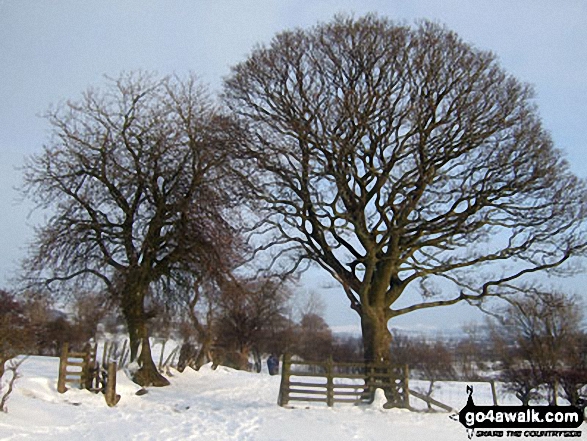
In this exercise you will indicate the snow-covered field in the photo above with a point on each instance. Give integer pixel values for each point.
(211, 405)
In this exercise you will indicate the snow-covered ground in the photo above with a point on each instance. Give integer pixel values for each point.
(211, 405)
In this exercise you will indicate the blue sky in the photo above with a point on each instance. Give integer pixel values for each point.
(52, 50)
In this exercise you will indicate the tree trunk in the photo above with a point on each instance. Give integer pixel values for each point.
(3, 360)
(376, 337)
(377, 350)
(258, 363)
(145, 371)
(204, 353)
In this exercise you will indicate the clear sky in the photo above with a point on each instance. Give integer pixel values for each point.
(52, 50)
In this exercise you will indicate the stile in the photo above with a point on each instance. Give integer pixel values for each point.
(88, 373)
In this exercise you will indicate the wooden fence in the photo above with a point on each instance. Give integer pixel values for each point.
(332, 383)
(354, 383)
(120, 351)
(111, 350)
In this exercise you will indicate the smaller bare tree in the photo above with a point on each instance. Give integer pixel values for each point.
(314, 338)
(140, 180)
(347, 348)
(16, 338)
(16, 333)
(573, 377)
(201, 309)
(523, 382)
(249, 309)
(470, 351)
(539, 330)
(434, 362)
(87, 311)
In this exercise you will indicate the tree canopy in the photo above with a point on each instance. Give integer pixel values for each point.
(397, 156)
(139, 181)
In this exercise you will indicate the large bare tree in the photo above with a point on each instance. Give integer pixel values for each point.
(403, 160)
(138, 181)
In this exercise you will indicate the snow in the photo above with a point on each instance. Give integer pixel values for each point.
(221, 404)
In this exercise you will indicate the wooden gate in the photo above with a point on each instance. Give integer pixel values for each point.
(354, 383)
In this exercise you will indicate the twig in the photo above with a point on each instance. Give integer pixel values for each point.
(13, 367)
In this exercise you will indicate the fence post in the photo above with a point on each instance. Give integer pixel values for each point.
(162, 352)
(391, 390)
(370, 382)
(105, 354)
(406, 386)
(329, 383)
(110, 394)
(555, 392)
(123, 357)
(112, 348)
(62, 368)
(284, 386)
(169, 360)
(493, 392)
(89, 368)
(85, 375)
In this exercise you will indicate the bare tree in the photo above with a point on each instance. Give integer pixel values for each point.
(403, 160)
(201, 309)
(249, 311)
(88, 310)
(434, 361)
(311, 303)
(347, 348)
(201, 305)
(573, 377)
(16, 333)
(539, 340)
(138, 180)
(471, 351)
(523, 382)
(314, 339)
